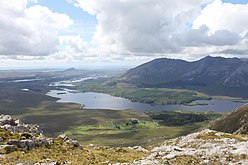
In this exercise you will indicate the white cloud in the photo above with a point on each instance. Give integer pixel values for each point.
(126, 30)
(226, 16)
(29, 31)
(200, 37)
(157, 27)
(72, 48)
(140, 25)
(219, 16)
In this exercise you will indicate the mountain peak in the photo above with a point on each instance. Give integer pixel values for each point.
(208, 57)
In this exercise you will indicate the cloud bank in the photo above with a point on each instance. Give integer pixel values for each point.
(29, 31)
(161, 26)
(126, 30)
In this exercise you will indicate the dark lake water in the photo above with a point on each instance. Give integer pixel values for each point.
(93, 100)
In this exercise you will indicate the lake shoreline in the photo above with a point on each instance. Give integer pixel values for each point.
(93, 100)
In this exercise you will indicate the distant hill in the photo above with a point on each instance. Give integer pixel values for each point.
(209, 71)
(234, 122)
(70, 70)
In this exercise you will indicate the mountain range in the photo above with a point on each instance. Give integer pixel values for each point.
(211, 74)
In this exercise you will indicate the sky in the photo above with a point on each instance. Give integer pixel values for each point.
(118, 33)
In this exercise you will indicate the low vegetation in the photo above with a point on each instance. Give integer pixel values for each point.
(235, 99)
(214, 135)
(179, 118)
(61, 155)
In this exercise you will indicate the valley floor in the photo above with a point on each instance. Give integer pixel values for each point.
(97, 126)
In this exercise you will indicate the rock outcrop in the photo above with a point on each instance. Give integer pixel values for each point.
(19, 135)
(204, 147)
(23, 144)
(16, 126)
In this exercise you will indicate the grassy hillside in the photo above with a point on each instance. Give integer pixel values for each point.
(234, 122)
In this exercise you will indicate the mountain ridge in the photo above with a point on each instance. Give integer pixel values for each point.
(207, 72)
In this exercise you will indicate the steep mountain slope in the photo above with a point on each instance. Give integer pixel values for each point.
(227, 72)
(234, 122)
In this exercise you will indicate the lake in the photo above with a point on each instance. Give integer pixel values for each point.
(92, 100)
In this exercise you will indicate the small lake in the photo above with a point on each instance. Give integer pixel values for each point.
(93, 100)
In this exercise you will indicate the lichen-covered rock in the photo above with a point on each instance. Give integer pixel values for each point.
(16, 126)
(24, 144)
(73, 143)
(6, 120)
(51, 163)
(63, 137)
(6, 148)
(28, 136)
(138, 148)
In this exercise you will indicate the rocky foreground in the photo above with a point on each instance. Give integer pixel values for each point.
(203, 147)
(25, 144)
